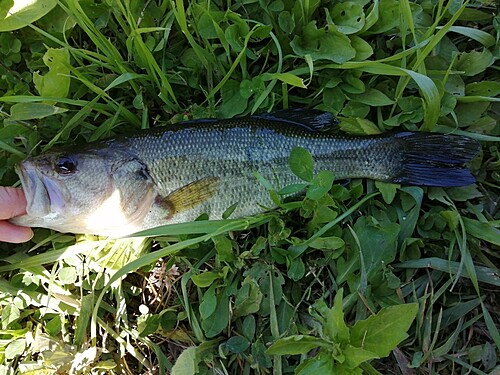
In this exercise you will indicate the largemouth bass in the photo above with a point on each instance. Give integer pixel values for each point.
(175, 173)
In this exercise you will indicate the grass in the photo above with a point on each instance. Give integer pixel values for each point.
(212, 297)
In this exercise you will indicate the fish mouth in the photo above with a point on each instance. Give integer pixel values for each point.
(44, 196)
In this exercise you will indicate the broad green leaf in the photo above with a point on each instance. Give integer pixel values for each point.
(232, 102)
(271, 297)
(149, 325)
(383, 331)
(296, 344)
(33, 111)
(15, 348)
(348, 17)
(297, 269)
(168, 320)
(323, 44)
(224, 248)
(237, 344)
(235, 35)
(187, 362)
(352, 84)
(355, 356)
(474, 62)
(378, 243)
(10, 313)
(301, 163)
(363, 49)
(483, 88)
(207, 23)
(246, 88)
(57, 21)
(56, 82)
(205, 279)
(286, 21)
(452, 217)
(373, 97)
(248, 298)
(276, 6)
(388, 190)
(388, 17)
(208, 303)
(359, 126)
(259, 245)
(468, 113)
(327, 243)
(16, 14)
(324, 214)
(215, 323)
(285, 317)
(336, 328)
(455, 86)
(334, 98)
(320, 364)
(355, 109)
(138, 101)
(249, 327)
(67, 275)
(320, 185)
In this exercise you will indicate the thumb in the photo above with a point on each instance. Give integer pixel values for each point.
(12, 202)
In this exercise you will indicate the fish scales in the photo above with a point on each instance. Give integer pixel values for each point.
(175, 173)
(246, 147)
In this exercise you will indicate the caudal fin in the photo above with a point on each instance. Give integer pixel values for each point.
(431, 159)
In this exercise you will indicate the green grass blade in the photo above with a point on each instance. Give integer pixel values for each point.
(484, 274)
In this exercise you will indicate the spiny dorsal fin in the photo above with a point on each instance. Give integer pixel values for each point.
(190, 195)
(312, 119)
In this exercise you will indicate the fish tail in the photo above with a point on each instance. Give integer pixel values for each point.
(436, 159)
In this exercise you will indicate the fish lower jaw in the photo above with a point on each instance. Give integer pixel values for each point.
(28, 220)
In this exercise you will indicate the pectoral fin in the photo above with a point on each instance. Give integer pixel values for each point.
(190, 195)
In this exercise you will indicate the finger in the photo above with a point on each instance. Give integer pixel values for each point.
(12, 202)
(14, 233)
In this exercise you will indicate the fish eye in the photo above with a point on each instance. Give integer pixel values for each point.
(65, 165)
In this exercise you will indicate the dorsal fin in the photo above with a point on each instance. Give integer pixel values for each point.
(312, 119)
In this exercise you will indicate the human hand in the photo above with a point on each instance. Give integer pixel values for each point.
(12, 203)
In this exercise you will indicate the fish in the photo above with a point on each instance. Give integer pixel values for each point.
(175, 173)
